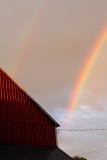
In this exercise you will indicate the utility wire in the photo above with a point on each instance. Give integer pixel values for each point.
(83, 130)
(94, 151)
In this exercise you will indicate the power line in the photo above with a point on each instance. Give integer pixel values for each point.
(94, 151)
(83, 130)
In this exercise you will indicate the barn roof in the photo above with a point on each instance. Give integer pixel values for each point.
(29, 152)
(12, 92)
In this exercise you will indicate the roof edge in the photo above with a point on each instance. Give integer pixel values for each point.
(21, 88)
(65, 153)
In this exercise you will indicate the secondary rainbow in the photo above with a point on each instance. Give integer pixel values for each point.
(33, 27)
(86, 69)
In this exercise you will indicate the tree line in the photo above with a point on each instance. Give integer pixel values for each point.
(78, 158)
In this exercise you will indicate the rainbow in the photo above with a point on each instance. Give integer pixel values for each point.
(23, 51)
(86, 69)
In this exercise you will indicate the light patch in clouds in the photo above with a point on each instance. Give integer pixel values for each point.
(83, 117)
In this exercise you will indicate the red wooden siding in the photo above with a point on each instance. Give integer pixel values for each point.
(27, 133)
(21, 119)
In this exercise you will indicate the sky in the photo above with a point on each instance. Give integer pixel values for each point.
(43, 46)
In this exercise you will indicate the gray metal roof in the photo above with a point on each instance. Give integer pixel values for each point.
(27, 152)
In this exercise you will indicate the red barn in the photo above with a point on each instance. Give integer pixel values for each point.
(25, 122)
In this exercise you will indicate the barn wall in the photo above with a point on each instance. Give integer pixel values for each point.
(13, 98)
(21, 133)
(21, 124)
(23, 112)
(21, 119)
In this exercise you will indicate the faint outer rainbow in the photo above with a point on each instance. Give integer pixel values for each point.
(22, 54)
(86, 69)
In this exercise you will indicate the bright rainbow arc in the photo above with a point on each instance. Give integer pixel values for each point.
(86, 69)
